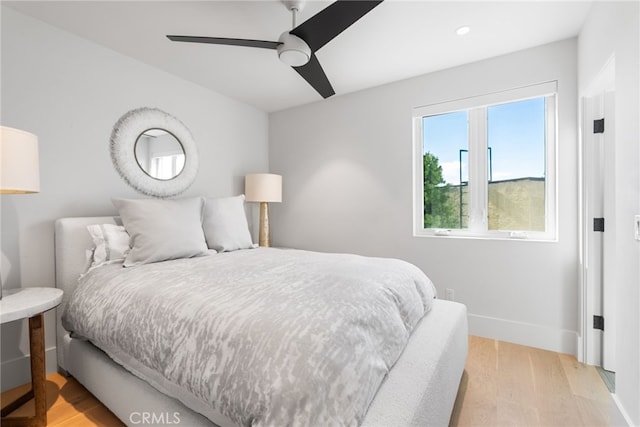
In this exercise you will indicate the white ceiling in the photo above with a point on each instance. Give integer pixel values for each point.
(396, 40)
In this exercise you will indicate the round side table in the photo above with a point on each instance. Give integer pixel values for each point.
(30, 303)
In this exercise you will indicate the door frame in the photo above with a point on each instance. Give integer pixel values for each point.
(596, 99)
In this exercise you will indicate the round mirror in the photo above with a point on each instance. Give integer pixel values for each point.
(159, 154)
(154, 152)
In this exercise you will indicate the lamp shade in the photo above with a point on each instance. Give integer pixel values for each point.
(263, 187)
(19, 165)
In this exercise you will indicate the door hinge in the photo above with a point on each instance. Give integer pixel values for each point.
(598, 224)
(598, 126)
(598, 322)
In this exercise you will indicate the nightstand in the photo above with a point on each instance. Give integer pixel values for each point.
(30, 303)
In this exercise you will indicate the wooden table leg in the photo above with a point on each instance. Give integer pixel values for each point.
(38, 380)
(38, 369)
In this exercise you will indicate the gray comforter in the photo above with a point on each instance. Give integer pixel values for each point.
(257, 337)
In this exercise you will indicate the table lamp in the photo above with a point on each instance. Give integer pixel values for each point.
(263, 188)
(19, 165)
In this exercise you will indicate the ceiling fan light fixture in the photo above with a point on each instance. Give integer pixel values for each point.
(293, 50)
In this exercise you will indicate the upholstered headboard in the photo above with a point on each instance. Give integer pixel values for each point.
(72, 241)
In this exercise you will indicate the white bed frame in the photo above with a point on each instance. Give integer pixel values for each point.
(420, 390)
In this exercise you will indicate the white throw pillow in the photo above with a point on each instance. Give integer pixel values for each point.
(111, 243)
(162, 229)
(225, 224)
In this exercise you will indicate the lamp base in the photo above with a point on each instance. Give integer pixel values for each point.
(264, 225)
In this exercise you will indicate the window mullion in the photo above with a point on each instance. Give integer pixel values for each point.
(478, 169)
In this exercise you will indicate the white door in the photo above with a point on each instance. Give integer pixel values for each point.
(599, 201)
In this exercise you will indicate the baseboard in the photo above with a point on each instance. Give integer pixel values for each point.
(618, 417)
(529, 334)
(17, 371)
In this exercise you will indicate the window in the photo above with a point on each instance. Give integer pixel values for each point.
(167, 166)
(485, 166)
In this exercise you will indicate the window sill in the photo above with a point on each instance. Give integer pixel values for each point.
(503, 236)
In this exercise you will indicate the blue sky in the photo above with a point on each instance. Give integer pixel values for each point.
(515, 134)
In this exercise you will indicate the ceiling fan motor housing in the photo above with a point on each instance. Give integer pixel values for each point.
(293, 50)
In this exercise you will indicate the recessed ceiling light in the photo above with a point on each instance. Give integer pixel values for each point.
(463, 30)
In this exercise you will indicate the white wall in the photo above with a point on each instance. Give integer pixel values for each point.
(612, 28)
(347, 170)
(70, 92)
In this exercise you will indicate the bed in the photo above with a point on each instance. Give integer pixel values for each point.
(420, 389)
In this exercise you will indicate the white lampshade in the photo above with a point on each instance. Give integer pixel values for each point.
(19, 165)
(263, 187)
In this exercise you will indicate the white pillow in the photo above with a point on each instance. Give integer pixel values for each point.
(162, 229)
(111, 243)
(225, 224)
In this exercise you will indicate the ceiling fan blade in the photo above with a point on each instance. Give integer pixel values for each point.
(313, 73)
(222, 40)
(321, 28)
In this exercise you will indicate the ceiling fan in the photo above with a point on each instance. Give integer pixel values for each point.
(297, 47)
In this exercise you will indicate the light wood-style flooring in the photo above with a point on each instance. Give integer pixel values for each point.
(511, 385)
(503, 385)
(69, 404)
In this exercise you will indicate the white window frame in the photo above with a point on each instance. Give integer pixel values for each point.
(478, 194)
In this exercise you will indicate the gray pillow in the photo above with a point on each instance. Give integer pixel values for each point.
(225, 224)
(162, 229)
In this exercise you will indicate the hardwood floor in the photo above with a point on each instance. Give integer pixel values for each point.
(69, 404)
(511, 385)
(503, 385)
